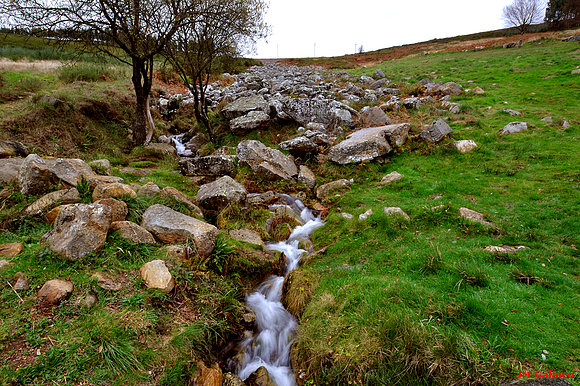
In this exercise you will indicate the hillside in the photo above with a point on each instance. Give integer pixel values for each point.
(448, 184)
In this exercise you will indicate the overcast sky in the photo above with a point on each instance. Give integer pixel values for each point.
(336, 26)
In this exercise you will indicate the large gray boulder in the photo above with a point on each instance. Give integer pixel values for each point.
(363, 145)
(514, 127)
(72, 171)
(309, 142)
(169, 226)
(436, 131)
(243, 106)
(213, 165)
(36, 175)
(79, 229)
(251, 121)
(12, 149)
(270, 164)
(52, 199)
(133, 232)
(306, 110)
(9, 168)
(373, 117)
(221, 193)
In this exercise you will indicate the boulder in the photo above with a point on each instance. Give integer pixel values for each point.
(396, 211)
(148, 190)
(243, 106)
(450, 88)
(331, 189)
(306, 110)
(512, 112)
(310, 141)
(213, 165)
(397, 134)
(379, 74)
(221, 193)
(178, 196)
(79, 229)
(162, 149)
(261, 199)
(36, 175)
(412, 103)
(251, 121)
(156, 275)
(97, 180)
(21, 281)
(514, 127)
(4, 264)
(195, 143)
(11, 249)
(260, 377)
(119, 209)
(51, 215)
(474, 216)
(52, 199)
(436, 131)
(133, 232)
(464, 146)
(391, 177)
(102, 167)
(306, 176)
(169, 226)
(72, 171)
(362, 145)
(12, 149)
(247, 235)
(373, 117)
(55, 291)
(112, 190)
(9, 168)
(231, 379)
(270, 164)
(205, 376)
(379, 83)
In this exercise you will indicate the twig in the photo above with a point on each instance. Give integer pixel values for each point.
(21, 300)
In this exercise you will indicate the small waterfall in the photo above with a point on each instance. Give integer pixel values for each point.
(179, 146)
(276, 327)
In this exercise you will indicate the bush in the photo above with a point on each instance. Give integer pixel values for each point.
(88, 72)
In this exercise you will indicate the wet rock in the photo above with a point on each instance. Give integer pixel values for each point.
(373, 117)
(514, 127)
(261, 199)
(362, 145)
(396, 211)
(306, 176)
(12, 149)
(464, 146)
(211, 376)
(133, 232)
(247, 235)
(102, 167)
(113, 190)
(221, 193)
(251, 121)
(106, 282)
(169, 226)
(474, 216)
(11, 249)
(270, 164)
(9, 168)
(260, 377)
(213, 165)
(79, 229)
(436, 131)
(119, 209)
(391, 177)
(156, 275)
(48, 201)
(55, 291)
(332, 189)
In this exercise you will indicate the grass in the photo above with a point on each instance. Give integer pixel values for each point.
(422, 302)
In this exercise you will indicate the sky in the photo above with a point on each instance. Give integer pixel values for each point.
(306, 28)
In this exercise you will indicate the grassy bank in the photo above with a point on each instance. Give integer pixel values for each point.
(422, 302)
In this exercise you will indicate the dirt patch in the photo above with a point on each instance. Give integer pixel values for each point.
(39, 66)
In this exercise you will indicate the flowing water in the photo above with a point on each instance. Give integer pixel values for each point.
(276, 327)
(179, 146)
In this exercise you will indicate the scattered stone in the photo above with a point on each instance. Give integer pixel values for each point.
(231, 379)
(572, 39)
(514, 127)
(379, 74)
(505, 248)
(332, 189)
(412, 103)
(136, 172)
(464, 146)
(112, 190)
(79, 229)
(169, 226)
(391, 177)
(21, 282)
(474, 216)
(11, 249)
(87, 301)
(306, 176)
(48, 201)
(133, 232)
(347, 216)
(175, 194)
(98, 180)
(178, 252)
(251, 121)
(576, 71)
(243, 106)
(148, 190)
(512, 112)
(12, 149)
(396, 211)
(102, 167)
(119, 209)
(309, 142)
(450, 88)
(156, 275)
(373, 117)
(205, 376)
(221, 193)
(478, 91)
(247, 235)
(4, 264)
(365, 215)
(436, 131)
(548, 119)
(55, 291)
(9, 168)
(379, 83)
(565, 124)
(106, 282)
(261, 199)
(268, 163)
(162, 149)
(72, 171)
(213, 165)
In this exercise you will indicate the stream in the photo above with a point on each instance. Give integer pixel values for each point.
(276, 327)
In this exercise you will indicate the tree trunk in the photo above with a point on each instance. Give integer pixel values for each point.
(150, 123)
(142, 83)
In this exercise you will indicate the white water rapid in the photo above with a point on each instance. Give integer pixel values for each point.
(276, 327)
(179, 146)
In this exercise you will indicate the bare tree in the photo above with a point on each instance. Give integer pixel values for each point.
(132, 31)
(223, 32)
(521, 14)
